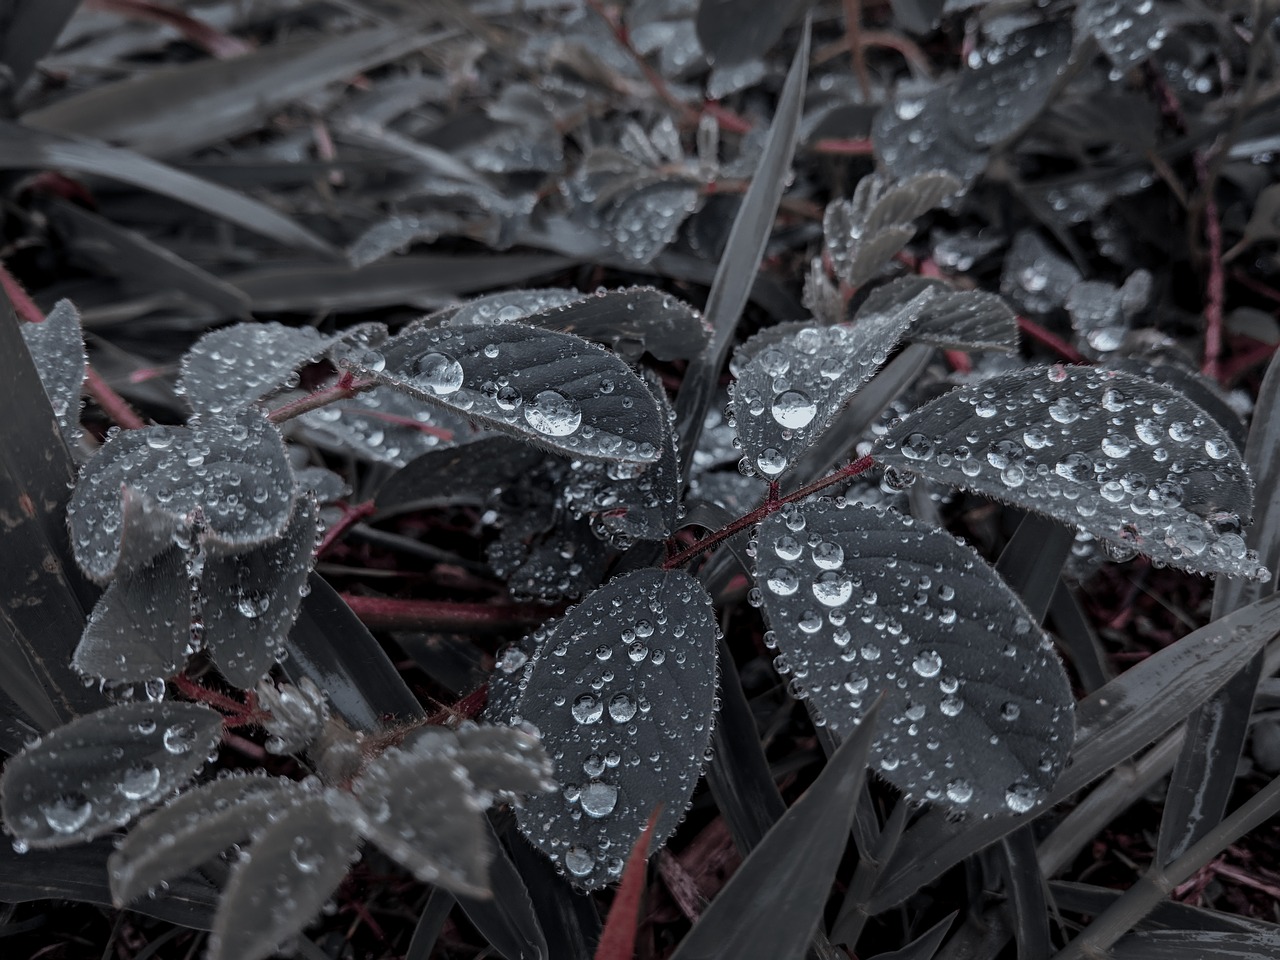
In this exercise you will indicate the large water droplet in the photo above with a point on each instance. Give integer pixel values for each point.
(793, 409)
(1020, 797)
(68, 813)
(831, 589)
(588, 709)
(598, 799)
(928, 664)
(553, 415)
(140, 782)
(622, 708)
(578, 861)
(439, 373)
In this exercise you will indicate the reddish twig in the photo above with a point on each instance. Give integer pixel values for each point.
(351, 515)
(845, 147)
(1242, 360)
(1256, 285)
(197, 32)
(346, 387)
(112, 404)
(853, 40)
(1215, 287)
(766, 509)
(387, 613)
(468, 708)
(1046, 338)
(618, 941)
(22, 303)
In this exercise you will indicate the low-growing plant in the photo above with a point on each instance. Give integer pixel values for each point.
(194, 546)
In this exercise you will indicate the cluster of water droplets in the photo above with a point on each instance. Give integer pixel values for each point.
(1129, 31)
(384, 425)
(623, 693)
(57, 351)
(234, 366)
(1129, 461)
(862, 600)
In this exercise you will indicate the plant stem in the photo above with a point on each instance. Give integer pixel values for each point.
(853, 40)
(351, 515)
(112, 404)
(769, 507)
(1215, 287)
(22, 303)
(346, 387)
(387, 613)
(1051, 340)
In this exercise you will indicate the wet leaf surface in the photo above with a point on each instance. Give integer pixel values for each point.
(237, 365)
(57, 350)
(100, 771)
(621, 690)
(977, 715)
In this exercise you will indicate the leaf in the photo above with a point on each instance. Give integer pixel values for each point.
(736, 31)
(1011, 83)
(644, 642)
(296, 863)
(1196, 945)
(144, 486)
(465, 473)
(498, 759)
(552, 389)
(250, 600)
(771, 906)
(234, 367)
(964, 319)
(1128, 31)
(194, 827)
(1036, 277)
(743, 251)
(923, 947)
(790, 389)
(420, 808)
(22, 148)
(509, 306)
(626, 503)
(31, 28)
(632, 321)
(914, 135)
(1124, 459)
(101, 770)
(507, 919)
(384, 425)
(645, 217)
(337, 652)
(141, 627)
(57, 350)
(618, 941)
(977, 715)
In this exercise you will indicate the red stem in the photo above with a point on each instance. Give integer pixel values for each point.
(845, 147)
(350, 517)
(346, 387)
(1215, 289)
(1045, 338)
(769, 507)
(22, 303)
(112, 404)
(387, 613)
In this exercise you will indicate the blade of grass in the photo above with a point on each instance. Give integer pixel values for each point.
(1205, 772)
(771, 907)
(741, 259)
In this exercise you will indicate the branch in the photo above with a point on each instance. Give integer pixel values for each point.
(387, 613)
(346, 388)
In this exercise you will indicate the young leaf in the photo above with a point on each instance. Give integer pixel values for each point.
(966, 319)
(509, 306)
(384, 425)
(914, 135)
(101, 770)
(249, 600)
(498, 759)
(194, 827)
(1196, 945)
(552, 389)
(641, 219)
(237, 365)
(860, 600)
(622, 690)
(420, 807)
(57, 350)
(140, 628)
(771, 907)
(144, 486)
(1128, 461)
(296, 863)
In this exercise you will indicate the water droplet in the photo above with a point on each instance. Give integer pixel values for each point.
(179, 738)
(1217, 448)
(578, 861)
(1010, 711)
(917, 447)
(553, 414)
(68, 813)
(1020, 797)
(827, 555)
(598, 799)
(928, 664)
(588, 709)
(771, 462)
(622, 708)
(140, 782)
(439, 373)
(831, 589)
(782, 581)
(793, 409)
(959, 791)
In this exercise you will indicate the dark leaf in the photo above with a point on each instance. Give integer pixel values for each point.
(144, 486)
(140, 629)
(967, 319)
(1124, 459)
(1036, 277)
(196, 826)
(918, 16)
(736, 31)
(507, 919)
(771, 907)
(1196, 945)
(498, 759)
(1128, 31)
(632, 321)
(335, 650)
(420, 808)
(552, 389)
(294, 866)
(1010, 84)
(100, 771)
(509, 306)
(31, 28)
(57, 350)
(466, 473)
(22, 148)
(977, 716)
(643, 219)
(250, 599)
(622, 690)
(913, 135)
(237, 365)
(741, 260)
(45, 611)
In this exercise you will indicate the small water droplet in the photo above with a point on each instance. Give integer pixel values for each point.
(553, 415)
